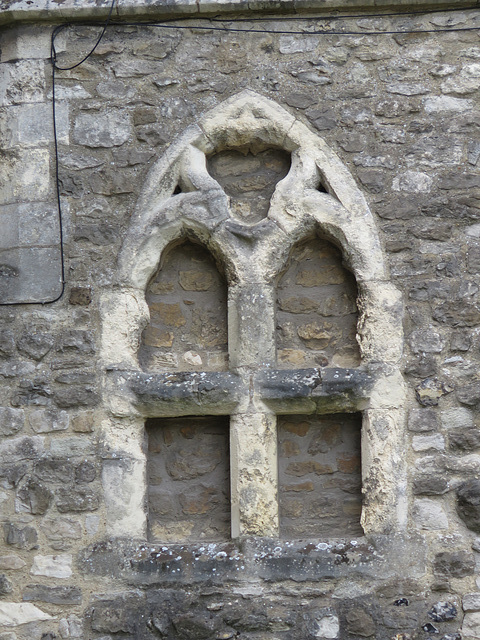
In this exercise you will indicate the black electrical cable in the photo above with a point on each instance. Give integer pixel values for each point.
(53, 57)
(323, 32)
(166, 24)
(63, 26)
(350, 16)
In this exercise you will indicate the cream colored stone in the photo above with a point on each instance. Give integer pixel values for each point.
(388, 392)
(124, 316)
(15, 613)
(471, 626)
(429, 515)
(328, 627)
(384, 470)
(11, 562)
(123, 477)
(251, 342)
(59, 566)
(380, 330)
(253, 447)
(193, 358)
(471, 602)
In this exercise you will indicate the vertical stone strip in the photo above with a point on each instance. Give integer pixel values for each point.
(253, 452)
(30, 258)
(384, 464)
(124, 477)
(253, 439)
(251, 325)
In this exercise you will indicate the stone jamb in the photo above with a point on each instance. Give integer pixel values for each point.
(297, 209)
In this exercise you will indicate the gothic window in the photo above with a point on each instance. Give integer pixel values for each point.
(187, 300)
(323, 361)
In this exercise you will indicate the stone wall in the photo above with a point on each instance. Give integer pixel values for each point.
(401, 113)
(188, 314)
(316, 309)
(188, 479)
(320, 476)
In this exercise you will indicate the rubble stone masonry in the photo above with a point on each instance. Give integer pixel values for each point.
(253, 412)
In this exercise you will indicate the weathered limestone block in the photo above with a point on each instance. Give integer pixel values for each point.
(22, 81)
(11, 421)
(108, 129)
(421, 420)
(13, 614)
(52, 566)
(11, 562)
(456, 564)
(471, 625)
(124, 494)
(33, 497)
(31, 125)
(21, 537)
(21, 448)
(76, 500)
(46, 420)
(54, 595)
(61, 533)
(430, 515)
(425, 443)
(71, 627)
(35, 345)
(471, 602)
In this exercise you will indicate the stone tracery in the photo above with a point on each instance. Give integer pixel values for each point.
(253, 391)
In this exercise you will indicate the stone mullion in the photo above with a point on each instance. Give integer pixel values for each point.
(254, 476)
(253, 436)
(251, 325)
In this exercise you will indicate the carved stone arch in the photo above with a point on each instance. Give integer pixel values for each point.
(253, 121)
(181, 196)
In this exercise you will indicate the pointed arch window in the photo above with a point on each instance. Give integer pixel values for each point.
(314, 200)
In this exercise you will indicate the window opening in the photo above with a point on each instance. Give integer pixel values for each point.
(316, 309)
(187, 299)
(188, 479)
(249, 179)
(320, 475)
(257, 387)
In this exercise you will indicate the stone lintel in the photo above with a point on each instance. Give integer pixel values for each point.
(184, 393)
(202, 391)
(66, 10)
(219, 393)
(316, 560)
(313, 390)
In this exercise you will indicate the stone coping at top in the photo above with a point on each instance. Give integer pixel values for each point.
(16, 11)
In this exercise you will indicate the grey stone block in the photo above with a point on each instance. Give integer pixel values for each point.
(107, 129)
(22, 81)
(54, 595)
(20, 271)
(456, 564)
(34, 497)
(21, 448)
(75, 500)
(11, 421)
(47, 420)
(21, 537)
